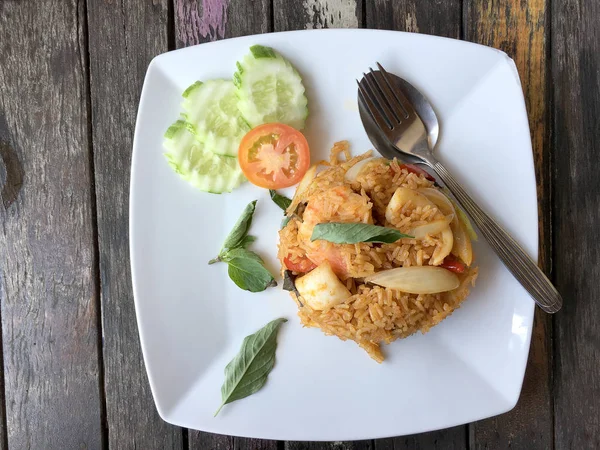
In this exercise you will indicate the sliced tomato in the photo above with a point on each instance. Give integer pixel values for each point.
(301, 265)
(274, 156)
(417, 171)
(453, 264)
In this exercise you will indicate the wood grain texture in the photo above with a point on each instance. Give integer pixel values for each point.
(442, 18)
(576, 148)
(12, 178)
(354, 445)
(123, 38)
(309, 14)
(207, 20)
(439, 17)
(47, 269)
(198, 440)
(519, 29)
(255, 444)
(448, 439)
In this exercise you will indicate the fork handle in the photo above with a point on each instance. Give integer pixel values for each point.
(512, 255)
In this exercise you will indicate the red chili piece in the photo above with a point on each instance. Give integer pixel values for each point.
(453, 264)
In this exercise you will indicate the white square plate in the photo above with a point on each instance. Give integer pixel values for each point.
(192, 318)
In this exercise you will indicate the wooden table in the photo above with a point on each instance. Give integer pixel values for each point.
(70, 78)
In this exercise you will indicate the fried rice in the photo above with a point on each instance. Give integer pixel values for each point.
(372, 314)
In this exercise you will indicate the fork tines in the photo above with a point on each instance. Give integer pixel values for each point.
(385, 101)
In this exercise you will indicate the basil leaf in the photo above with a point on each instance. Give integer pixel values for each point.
(247, 270)
(247, 372)
(246, 241)
(280, 200)
(240, 253)
(244, 244)
(352, 233)
(240, 229)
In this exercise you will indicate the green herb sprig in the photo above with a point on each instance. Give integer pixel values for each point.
(247, 372)
(283, 202)
(246, 269)
(352, 233)
(280, 200)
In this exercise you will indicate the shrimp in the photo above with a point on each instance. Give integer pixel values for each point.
(337, 204)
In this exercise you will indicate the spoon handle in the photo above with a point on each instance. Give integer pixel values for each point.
(512, 255)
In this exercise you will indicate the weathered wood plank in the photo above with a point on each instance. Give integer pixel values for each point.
(443, 19)
(123, 38)
(448, 439)
(310, 14)
(197, 22)
(199, 440)
(519, 29)
(255, 444)
(48, 266)
(3, 421)
(354, 445)
(576, 205)
(11, 180)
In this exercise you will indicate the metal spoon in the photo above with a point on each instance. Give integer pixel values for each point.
(423, 108)
(397, 117)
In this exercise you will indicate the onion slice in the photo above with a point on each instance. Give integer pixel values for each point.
(308, 177)
(416, 279)
(439, 199)
(431, 228)
(440, 253)
(352, 173)
(400, 198)
(461, 247)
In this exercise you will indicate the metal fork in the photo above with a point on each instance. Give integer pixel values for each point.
(400, 123)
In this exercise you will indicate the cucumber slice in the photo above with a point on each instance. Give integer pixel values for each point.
(211, 108)
(201, 168)
(270, 89)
